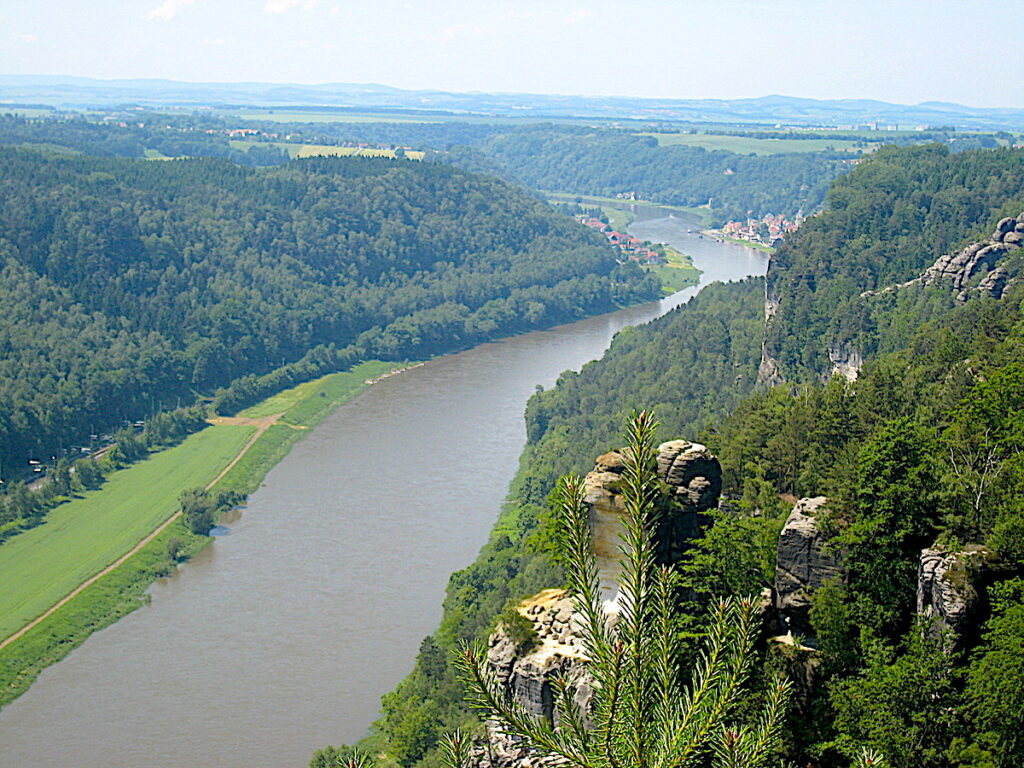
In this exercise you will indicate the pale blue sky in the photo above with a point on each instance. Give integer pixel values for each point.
(906, 51)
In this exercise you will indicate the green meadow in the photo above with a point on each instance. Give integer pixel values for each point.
(744, 145)
(334, 389)
(83, 536)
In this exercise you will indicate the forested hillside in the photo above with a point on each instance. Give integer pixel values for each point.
(923, 450)
(607, 163)
(886, 224)
(129, 285)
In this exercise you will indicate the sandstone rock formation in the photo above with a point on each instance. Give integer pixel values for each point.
(804, 562)
(958, 268)
(846, 361)
(694, 477)
(527, 676)
(951, 588)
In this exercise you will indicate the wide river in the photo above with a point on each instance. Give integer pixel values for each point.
(282, 636)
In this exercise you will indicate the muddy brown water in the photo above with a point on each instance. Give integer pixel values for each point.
(283, 634)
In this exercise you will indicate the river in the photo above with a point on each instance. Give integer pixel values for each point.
(283, 634)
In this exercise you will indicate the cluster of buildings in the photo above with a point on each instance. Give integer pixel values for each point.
(767, 230)
(632, 249)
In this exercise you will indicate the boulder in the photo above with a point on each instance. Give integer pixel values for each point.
(994, 283)
(1004, 225)
(1013, 238)
(693, 473)
(804, 562)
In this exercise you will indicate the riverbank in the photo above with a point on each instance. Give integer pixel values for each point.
(719, 235)
(93, 560)
(678, 273)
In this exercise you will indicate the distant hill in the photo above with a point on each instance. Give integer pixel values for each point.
(78, 92)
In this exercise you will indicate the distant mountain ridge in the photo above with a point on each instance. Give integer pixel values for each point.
(78, 92)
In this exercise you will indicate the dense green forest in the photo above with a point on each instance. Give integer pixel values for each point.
(130, 286)
(607, 163)
(924, 449)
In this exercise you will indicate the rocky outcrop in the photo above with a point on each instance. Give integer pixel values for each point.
(957, 269)
(693, 473)
(694, 479)
(994, 283)
(805, 562)
(527, 676)
(769, 373)
(556, 652)
(846, 361)
(952, 589)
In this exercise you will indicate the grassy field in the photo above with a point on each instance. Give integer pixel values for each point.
(744, 146)
(26, 111)
(335, 388)
(618, 218)
(678, 273)
(81, 537)
(327, 116)
(284, 116)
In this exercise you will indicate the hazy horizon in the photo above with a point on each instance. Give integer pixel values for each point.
(905, 52)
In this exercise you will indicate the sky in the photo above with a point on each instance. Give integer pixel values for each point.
(903, 51)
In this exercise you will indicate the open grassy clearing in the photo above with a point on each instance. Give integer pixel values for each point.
(114, 595)
(744, 145)
(83, 536)
(678, 273)
(673, 280)
(618, 218)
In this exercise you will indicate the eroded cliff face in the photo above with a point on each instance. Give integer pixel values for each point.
(952, 590)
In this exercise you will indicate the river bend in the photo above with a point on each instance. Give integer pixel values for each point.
(282, 636)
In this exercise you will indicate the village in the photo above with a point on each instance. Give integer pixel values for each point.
(768, 230)
(632, 248)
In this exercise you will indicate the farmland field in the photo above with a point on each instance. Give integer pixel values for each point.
(744, 145)
(83, 536)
